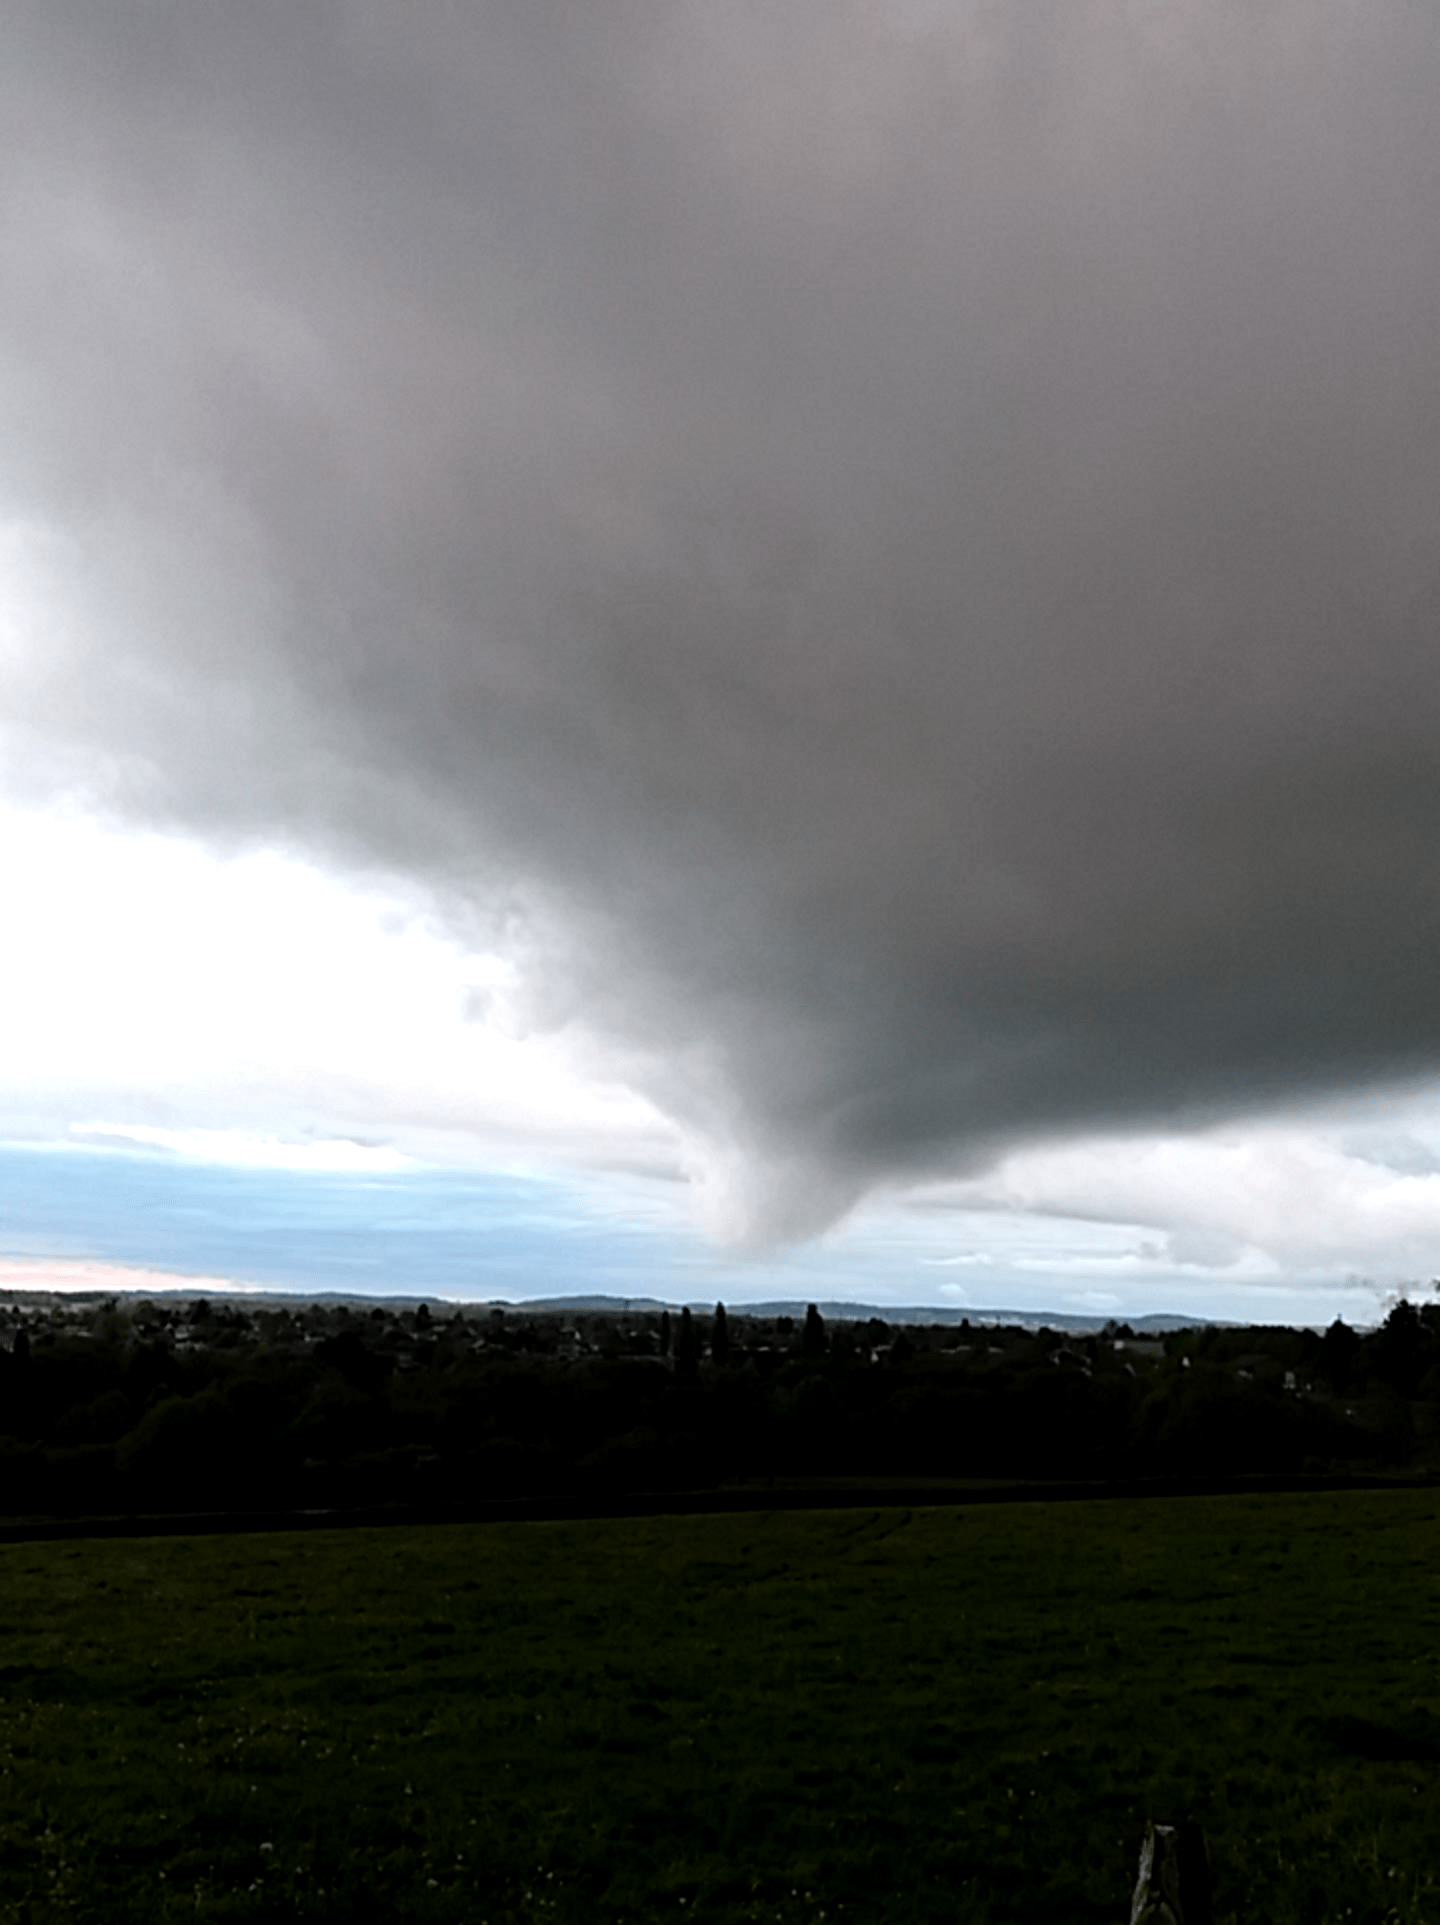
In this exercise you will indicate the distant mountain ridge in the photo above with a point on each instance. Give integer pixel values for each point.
(886, 1313)
(832, 1311)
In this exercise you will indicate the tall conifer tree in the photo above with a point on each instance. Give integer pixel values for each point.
(720, 1337)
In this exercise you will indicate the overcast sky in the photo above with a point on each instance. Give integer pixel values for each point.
(828, 610)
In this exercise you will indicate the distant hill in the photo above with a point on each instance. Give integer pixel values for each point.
(1070, 1320)
(887, 1313)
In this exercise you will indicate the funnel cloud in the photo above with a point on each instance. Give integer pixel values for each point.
(892, 558)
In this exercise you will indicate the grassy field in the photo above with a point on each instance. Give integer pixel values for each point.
(865, 1715)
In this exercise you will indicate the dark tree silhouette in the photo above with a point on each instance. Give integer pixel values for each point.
(812, 1343)
(687, 1346)
(315, 1407)
(1402, 1348)
(1340, 1354)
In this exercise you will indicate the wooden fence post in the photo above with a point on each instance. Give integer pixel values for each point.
(1174, 1883)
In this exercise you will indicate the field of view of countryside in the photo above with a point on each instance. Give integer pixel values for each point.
(198, 1406)
(1190, 1577)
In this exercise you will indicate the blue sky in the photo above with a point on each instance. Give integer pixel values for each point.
(85, 1216)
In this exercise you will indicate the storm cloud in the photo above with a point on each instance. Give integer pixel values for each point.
(891, 555)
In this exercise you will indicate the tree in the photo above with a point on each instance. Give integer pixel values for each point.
(812, 1343)
(1400, 1348)
(720, 1337)
(664, 1333)
(1340, 1353)
(687, 1346)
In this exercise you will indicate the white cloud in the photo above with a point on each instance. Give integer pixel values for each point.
(243, 1149)
(1293, 1197)
(249, 1006)
(80, 1274)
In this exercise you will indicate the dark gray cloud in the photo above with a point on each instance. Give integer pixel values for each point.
(903, 545)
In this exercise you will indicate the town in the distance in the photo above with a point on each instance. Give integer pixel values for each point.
(114, 1406)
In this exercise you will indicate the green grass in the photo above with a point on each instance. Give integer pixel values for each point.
(864, 1715)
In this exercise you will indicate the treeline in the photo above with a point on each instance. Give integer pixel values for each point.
(114, 1408)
